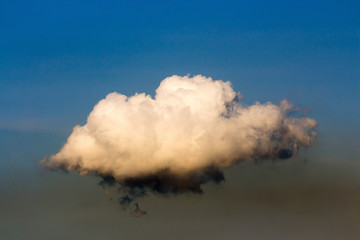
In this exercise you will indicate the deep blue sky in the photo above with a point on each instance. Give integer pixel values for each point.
(59, 58)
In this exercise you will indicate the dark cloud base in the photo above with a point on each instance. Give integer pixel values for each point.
(163, 183)
(167, 183)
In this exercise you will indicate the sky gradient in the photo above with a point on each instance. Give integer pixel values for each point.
(59, 58)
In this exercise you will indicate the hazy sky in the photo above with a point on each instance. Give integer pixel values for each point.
(59, 58)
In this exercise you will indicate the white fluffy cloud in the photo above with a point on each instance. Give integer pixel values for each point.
(191, 124)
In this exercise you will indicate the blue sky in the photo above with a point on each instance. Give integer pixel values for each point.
(59, 58)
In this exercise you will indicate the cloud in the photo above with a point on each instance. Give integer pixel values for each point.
(180, 139)
(138, 212)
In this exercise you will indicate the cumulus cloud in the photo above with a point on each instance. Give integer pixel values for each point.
(181, 138)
